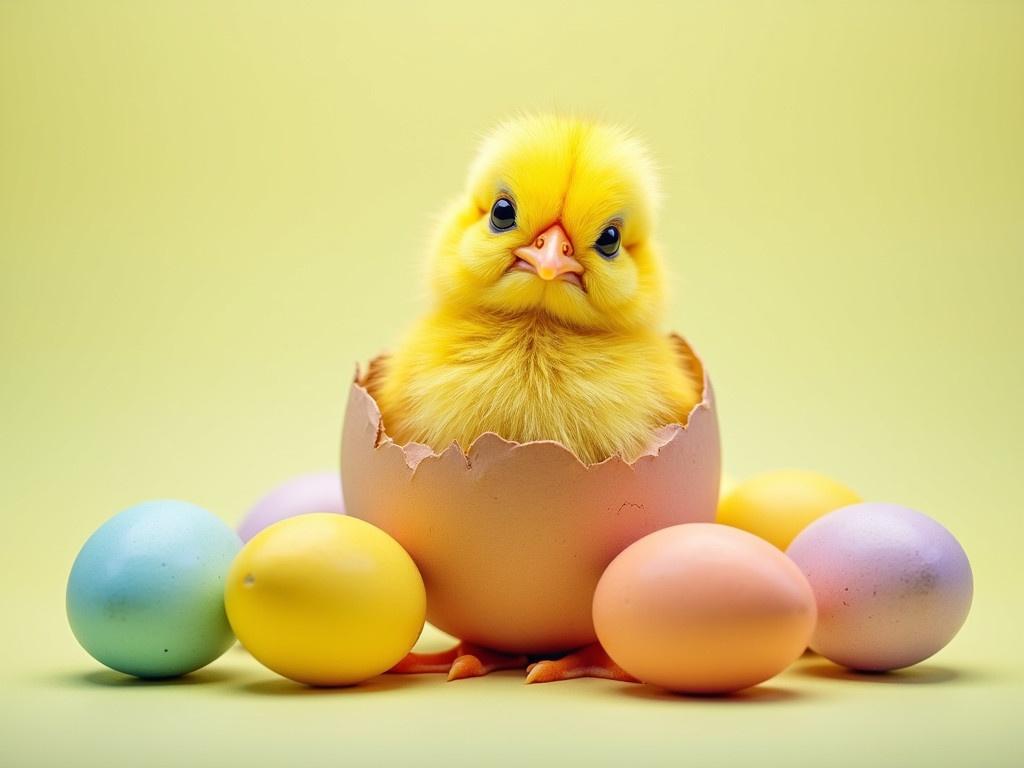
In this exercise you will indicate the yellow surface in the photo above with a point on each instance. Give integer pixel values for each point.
(777, 505)
(325, 599)
(209, 211)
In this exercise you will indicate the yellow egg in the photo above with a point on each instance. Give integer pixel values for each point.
(325, 599)
(778, 505)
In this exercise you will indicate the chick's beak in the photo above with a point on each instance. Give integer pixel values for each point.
(550, 256)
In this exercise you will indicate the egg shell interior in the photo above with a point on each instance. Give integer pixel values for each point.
(511, 538)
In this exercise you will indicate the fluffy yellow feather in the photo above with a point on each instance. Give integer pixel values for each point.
(548, 291)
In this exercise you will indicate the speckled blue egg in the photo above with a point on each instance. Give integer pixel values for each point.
(146, 593)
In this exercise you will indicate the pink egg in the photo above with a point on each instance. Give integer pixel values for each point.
(892, 585)
(317, 492)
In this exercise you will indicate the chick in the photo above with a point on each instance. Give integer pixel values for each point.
(547, 293)
(548, 289)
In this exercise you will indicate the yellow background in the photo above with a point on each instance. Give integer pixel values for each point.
(210, 211)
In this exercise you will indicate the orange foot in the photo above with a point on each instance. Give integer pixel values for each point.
(464, 660)
(590, 661)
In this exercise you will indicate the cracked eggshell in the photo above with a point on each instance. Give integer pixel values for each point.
(512, 538)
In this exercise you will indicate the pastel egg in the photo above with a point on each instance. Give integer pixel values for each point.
(301, 495)
(778, 505)
(892, 585)
(325, 599)
(145, 594)
(703, 608)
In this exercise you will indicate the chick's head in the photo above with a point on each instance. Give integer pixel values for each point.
(556, 219)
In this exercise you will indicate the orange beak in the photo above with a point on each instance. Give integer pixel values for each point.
(550, 256)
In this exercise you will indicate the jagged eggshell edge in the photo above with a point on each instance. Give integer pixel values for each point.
(511, 538)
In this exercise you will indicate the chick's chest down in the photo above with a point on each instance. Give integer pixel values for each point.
(531, 378)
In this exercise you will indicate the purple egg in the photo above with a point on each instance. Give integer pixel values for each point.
(892, 585)
(317, 492)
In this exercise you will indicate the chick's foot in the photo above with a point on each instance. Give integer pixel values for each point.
(590, 661)
(464, 660)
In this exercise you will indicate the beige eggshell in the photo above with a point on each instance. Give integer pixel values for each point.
(511, 538)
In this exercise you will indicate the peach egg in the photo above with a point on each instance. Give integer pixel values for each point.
(703, 608)
(512, 538)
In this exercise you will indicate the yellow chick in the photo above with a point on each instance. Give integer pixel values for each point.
(548, 289)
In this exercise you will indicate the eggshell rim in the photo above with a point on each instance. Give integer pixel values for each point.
(415, 453)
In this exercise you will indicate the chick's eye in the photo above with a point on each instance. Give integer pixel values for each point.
(503, 214)
(608, 243)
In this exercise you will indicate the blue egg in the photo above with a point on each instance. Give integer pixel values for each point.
(146, 593)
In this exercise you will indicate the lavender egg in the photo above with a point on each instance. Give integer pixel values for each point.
(892, 585)
(317, 492)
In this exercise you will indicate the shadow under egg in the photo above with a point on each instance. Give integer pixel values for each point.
(109, 678)
(759, 694)
(285, 687)
(917, 675)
